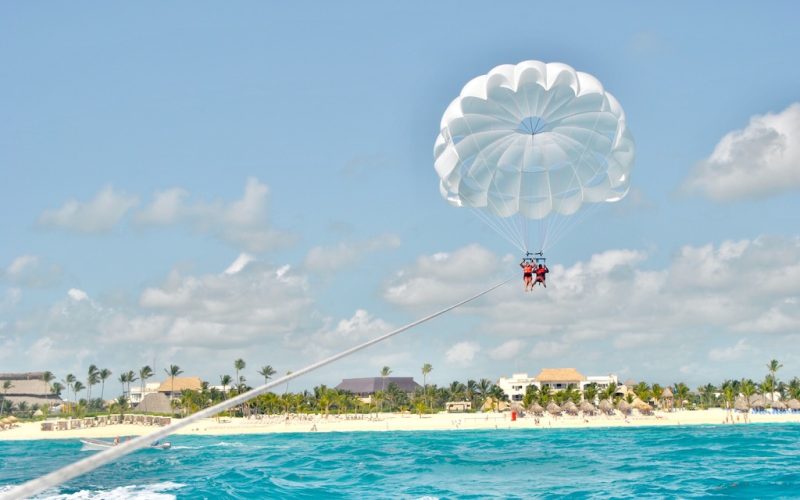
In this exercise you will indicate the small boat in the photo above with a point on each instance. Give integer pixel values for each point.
(90, 444)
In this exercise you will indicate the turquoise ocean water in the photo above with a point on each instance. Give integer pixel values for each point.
(754, 461)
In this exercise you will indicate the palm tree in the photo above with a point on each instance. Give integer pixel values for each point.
(76, 388)
(69, 380)
(172, 372)
(681, 392)
(470, 390)
(225, 381)
(794, 388)
(267, 372)
(657, 392)
(92, 378)
(239, 364)
(145, 373)
(131, 379)
(590, 392)
(773, 366)
(426, 369)
(385, 372)
(123, 379)
(104, 374)
(545, 393)
(748, 388)
(56, 389)
(6, 386)
(768, 386)
(48, 377)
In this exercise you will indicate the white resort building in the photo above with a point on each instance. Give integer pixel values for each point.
(556, 378)
(137, 394)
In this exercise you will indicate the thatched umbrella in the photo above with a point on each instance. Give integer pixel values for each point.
(12, 419)
(517, 408)
(606, 406)
(571, 408)
(643, 407)
(554, 409)
(587, 408)
(624, 407)
(5, 421)
(38, 413)
(779, 405)
(740, 404)
(536, 409)
(757, 401)
(793, 404)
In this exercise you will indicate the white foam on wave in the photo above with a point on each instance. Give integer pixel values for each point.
(154, 491)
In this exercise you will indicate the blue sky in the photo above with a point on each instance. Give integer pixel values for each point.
(146, 148)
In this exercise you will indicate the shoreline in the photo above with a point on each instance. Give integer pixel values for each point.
(384, 422)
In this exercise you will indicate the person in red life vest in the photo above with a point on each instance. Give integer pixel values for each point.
(527, 273)
(541, 271)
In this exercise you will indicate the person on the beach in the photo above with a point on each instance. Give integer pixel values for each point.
(527, 273)
(540, 271)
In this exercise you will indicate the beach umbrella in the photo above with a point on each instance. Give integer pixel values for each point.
(571, 408)
(793, 404)
(536, 408)
(554, 409)
(624, 407)
(13, 419)
(740, 404)
(606, 406)
(779, 405)
(757, 402)
(587, 407)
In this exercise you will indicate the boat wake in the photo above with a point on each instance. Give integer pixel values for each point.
(156, 491)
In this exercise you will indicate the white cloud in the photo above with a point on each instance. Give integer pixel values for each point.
(241, 261)
(243, 223)
(77, 295)
(335, 258)
(347, 332)
(761, 160)
(100, 214)
(507, 350)
(617, 309)
(732, 353)
(462, 353)
(30, 272)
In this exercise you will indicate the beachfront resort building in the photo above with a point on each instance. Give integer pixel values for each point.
(515, 386)
(556, 378)
(364, 388)
(137, 394)
(173, 388)
(29, 388)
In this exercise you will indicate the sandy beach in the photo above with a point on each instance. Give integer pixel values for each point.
(400, 422)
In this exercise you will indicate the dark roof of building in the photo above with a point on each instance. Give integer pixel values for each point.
(22, 376)
(370, 385)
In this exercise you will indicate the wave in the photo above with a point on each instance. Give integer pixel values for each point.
(156, 491)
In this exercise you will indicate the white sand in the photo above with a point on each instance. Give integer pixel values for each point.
(396, 422)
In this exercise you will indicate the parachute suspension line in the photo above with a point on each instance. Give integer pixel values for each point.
(494, 226)
(88, 464)
(559, 224)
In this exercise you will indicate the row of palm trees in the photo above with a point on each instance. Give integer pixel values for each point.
(428, 398)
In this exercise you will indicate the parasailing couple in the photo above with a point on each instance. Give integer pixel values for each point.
(529, 268)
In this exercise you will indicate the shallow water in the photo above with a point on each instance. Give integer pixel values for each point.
(743, 461)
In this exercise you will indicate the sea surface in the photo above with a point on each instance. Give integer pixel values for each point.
(748, 461)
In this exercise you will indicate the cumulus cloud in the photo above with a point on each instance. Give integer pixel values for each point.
(100, 214)
(507, 350)
(617, 308)
(758, 161)
(443, 276)
(462, 353)
(30, 271)
(731, 353)
(243, 223)
(335, 258)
